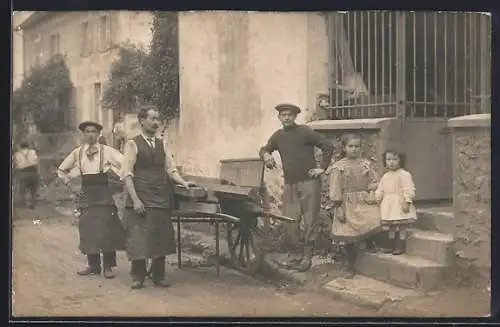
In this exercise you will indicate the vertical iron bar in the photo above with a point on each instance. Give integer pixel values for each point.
(391, 64)
(331, 57)
(425, 64)
(445, 75)
(435, 97)
(347, 51)
(400, 86)
(369, 55)
(455, 60)
(382, 15)
(362, 112)
(465, 60)
(338, 57)
(472, 62)
(414, 37)
(375, 51)
(485, 90)
(355, 58)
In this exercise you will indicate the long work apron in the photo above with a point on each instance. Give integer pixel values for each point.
(99, 225)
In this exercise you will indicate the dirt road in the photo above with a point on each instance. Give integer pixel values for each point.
(45, 259)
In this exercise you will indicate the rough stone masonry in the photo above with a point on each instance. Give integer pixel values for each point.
(472, 193)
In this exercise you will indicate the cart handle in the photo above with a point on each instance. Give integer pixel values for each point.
(227, 218)
(279, 217)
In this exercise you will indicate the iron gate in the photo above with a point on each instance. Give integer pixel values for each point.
(409, 64)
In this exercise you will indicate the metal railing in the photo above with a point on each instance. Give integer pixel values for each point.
(413, 64)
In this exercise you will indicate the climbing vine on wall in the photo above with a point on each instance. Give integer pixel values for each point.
(40, 94)
(164, 63)
(128, 81)
(142, 77)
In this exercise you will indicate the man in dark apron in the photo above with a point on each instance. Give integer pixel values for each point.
(99, 225)
(148, 172)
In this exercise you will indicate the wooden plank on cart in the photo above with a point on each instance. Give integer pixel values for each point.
(192, 192)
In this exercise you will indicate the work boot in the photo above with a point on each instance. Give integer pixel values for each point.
(108, 273)
(351, 260)
(306, 262)
(291, 260)
(90, 270)
(93, 265)
(158, 273)
(389, 248)
(137, 282)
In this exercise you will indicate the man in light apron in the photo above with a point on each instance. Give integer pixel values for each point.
(149, 173)
(99, 226)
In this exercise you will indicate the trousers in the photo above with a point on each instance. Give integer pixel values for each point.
(301, 201)
(108, 259)
(139, 270)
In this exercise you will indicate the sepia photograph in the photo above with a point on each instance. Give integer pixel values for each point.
(251, 164)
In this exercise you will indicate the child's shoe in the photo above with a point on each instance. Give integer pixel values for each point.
(399, 247)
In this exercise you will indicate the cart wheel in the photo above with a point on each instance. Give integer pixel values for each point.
(244, 248)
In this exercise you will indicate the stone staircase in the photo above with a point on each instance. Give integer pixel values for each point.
(423, 268)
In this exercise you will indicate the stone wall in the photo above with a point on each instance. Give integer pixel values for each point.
(472, 191)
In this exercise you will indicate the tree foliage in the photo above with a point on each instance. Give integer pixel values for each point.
(164, 63)
(128, 79)
(150, 77)
(40, 93)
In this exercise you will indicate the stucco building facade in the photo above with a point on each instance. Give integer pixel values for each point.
(89, 41)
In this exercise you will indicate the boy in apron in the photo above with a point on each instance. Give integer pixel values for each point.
(99, 227)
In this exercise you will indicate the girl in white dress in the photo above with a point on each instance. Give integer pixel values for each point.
(395, 193)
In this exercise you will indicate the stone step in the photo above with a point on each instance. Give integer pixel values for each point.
(367, 292)
(401, 270)
(434, 246)
(435, 220)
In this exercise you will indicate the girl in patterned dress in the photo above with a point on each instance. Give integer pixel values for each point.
(395, 193)
(353, 207)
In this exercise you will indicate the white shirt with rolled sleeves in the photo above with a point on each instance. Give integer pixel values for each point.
(130, 157)
(112, 160)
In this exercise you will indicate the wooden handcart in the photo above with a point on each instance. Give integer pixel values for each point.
(236, 199)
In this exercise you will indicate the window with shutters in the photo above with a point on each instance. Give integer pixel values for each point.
(104, 33)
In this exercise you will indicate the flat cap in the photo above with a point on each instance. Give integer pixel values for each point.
(87, 123)
(288, 106)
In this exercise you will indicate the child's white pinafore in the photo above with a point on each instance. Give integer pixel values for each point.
(396, 188)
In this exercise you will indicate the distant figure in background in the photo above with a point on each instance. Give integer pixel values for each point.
(26, 164)
(119, 133)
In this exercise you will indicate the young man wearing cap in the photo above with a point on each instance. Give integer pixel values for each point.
(302, 194)
(99, 226)
(149, 173)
